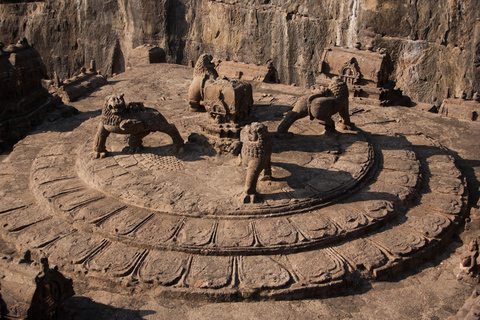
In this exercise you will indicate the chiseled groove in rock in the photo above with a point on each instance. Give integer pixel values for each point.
(144, 221)
(158, 229)
(48, 242)
(20, 228)
(59, 188)
(115, 259)
(14, 221)
(42, 233)
(5, 211)
(125, 221)
(58, 149)
(69, 202)
(74, 248)
(100, 220)
(57, 179)
(91, 253)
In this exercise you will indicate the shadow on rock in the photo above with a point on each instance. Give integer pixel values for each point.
(82, 308)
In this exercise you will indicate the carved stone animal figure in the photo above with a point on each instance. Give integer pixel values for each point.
(255, 155)
(321, 106)
(132, 119)
(204, 70)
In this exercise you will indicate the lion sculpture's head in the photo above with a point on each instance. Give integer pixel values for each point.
(114, 104)
(256, 140)
(205, 66)
(339, 88)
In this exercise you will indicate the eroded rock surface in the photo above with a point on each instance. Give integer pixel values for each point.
(433, 44)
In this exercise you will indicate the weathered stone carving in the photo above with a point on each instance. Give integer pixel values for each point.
(255, 155)
(204, 70)
(321, 106)
(228, 100)
(461, 108)
(469, 260)
(24, 101)
(249, 72)
(83, 83)
(133, 119)
(27, 294)
(355, 66)
(366, 73)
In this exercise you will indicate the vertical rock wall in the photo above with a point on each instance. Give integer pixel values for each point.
(434, 43)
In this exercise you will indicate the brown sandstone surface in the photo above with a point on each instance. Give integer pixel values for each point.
(431, 287)
(433, 44)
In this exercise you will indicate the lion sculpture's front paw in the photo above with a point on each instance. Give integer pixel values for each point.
(100, 155)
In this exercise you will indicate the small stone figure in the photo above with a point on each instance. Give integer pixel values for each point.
(321, 106)
(204, 70)
(469, 261)
(255, 155)
(132, 119)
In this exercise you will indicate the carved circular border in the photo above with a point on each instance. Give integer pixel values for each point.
(89, 209)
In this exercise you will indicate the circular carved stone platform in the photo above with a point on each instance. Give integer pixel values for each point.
(362, 206)
(306, 174)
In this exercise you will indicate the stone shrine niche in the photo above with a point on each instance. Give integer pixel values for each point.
(355, 66)
(146, 54)
(350, 72)
(366, 72)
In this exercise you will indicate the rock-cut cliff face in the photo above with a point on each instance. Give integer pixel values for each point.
(434, 44)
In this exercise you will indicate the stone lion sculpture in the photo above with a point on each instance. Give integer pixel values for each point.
(321, 106)
(204, 70)
(255, 155)
(133, 119)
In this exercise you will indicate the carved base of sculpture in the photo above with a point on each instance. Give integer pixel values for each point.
(256, 154)
(321, 106)
(132, 119)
